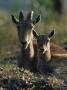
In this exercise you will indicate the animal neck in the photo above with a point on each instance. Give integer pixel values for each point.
(31, 49)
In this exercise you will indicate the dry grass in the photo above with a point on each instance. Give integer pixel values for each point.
(12, 78)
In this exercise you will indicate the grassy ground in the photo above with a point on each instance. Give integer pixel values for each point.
(12, 78)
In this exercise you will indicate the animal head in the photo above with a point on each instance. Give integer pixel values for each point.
(43, 41)
(25, 27)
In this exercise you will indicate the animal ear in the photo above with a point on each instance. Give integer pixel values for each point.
(21, 16)
(35, 33)
(14, 19)
(51, 34)
(37, 19)
(30, 15)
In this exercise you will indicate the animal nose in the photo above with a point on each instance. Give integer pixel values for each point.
(24, 43)
(41, 49)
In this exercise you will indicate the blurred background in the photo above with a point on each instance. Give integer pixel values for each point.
(53, 16)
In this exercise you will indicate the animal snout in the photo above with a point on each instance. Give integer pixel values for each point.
(24, 43)
(41, 49)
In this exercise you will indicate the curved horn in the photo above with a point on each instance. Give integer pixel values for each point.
(30, 15)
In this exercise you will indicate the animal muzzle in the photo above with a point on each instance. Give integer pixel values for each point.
(42, 50)
(24, 44)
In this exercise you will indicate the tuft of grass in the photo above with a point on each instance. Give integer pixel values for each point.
(12, 75)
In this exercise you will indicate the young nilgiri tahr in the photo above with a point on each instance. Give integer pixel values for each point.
(44, 54)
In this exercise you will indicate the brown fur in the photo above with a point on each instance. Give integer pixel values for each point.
(57, 52)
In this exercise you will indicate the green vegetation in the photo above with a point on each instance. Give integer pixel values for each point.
(45, 8)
